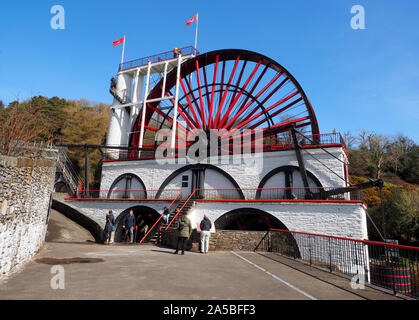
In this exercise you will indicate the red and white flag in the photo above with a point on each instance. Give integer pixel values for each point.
(195, 18)
(115, 43)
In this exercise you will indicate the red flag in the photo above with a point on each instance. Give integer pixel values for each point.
(195, 18)
(115, 43)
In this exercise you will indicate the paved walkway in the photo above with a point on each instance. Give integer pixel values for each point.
(149, 272)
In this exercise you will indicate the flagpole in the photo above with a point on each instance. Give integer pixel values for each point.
(196, 31)
(123, 50)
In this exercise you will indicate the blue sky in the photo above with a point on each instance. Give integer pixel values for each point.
(354, 78)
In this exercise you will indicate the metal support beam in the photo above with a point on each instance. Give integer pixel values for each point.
(86, 171)
(173, 140)
(144, 105)
(163, 91)
(301, 165)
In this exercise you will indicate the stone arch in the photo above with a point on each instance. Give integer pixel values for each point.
(128, 195)
(286, 169)
(280, 240)
(267, 221)
(200, 166)
(92, 226)
(144, 216)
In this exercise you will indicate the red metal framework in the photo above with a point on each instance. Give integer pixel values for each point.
(229, 90)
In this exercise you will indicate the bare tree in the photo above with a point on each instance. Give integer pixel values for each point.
(19, 124)
(373, 149)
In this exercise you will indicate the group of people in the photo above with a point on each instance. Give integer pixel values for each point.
(184, 230)
(128, 226)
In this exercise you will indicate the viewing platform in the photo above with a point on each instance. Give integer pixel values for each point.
(168, 56)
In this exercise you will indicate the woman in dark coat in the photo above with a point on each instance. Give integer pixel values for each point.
(184, 232)
(109, 226)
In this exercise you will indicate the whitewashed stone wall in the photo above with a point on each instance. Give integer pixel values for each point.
(97, 210)
(25, 189)
(334, 219)
(153, 173)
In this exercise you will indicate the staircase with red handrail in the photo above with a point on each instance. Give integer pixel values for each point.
(182, 208)
(157, 223)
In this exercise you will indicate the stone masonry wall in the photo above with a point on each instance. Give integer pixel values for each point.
(221, 240)
(25, 189)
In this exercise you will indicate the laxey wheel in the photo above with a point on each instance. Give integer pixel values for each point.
(234, 90)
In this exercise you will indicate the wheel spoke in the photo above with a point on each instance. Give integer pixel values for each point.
(195, 101)
(207, 93)
(220, 107)
(247, 120)
(168, 118)
(189, 103)
(227, 114)
(259, 94)
(277, 112)
(183, 113)
(213, 91)
(204, 124)
(241, 109)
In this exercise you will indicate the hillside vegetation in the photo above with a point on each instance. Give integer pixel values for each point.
(58, 121)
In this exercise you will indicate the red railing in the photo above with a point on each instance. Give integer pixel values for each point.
(290, 193)
(180, 210)
(228, 194)
(128, 194)
(391, 266)
(189, 50)
(161, 216)
(266, 144)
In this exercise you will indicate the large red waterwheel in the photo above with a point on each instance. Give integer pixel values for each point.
(228, 89)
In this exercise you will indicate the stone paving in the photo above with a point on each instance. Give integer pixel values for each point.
(149, 272)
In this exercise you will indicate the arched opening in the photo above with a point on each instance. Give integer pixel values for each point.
(251, 219)
(194, 176)
(286, 183)
(127, 186)
(145, 218)
(248, 219)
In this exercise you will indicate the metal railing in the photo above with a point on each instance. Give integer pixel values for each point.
(393, 267)
(67, 170)
(266, 144)
(161, 216)
(189, 50)
(229, 194)
(180, 210)
(307, 140)
(292, 193)
(128, 194)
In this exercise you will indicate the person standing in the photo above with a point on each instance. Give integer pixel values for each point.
(166, 215)
(205, 226)
(184, 232)
(128, 225)
(109, 227)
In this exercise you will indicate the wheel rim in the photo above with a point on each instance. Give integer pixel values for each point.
(229, 89)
